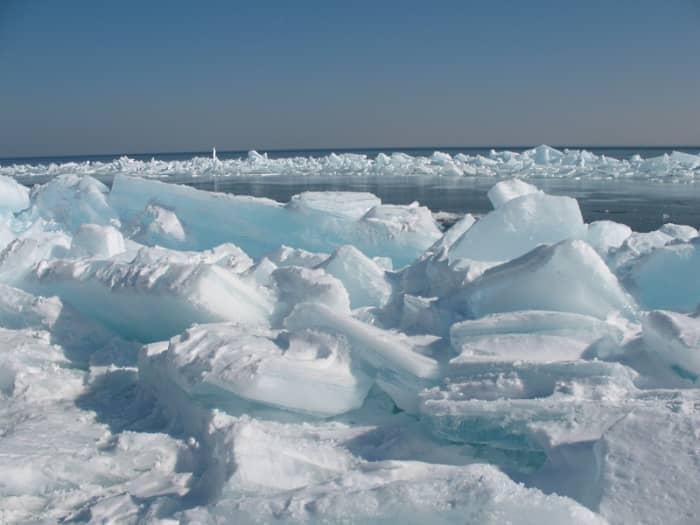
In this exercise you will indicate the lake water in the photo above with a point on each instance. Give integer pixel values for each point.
(643, 206)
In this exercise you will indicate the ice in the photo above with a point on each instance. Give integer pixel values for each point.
(261, 226)
(530, 335)
(411, 493)
(344, 204)
(565, 277)
(674, 339)
(159, 226)
(607, 235)
(667, 277)
(303, 371)
(13, 196)
(288, 256)
(93, 240)
(295, 284)
(519, 225)
(363, 279)
(540, 162)
(392, 360)
(72, 201)
(151, 301)
(680, 232)
(653, 446)
(172, 355)
(508, 190)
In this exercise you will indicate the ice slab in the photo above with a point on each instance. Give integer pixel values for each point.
(668, 277)
(578, 410)
(362, 277)
(13, 196)
(519, 225)
(529, 336)
(148, 301)
(565, 277)
(260, 226)
(400, 370)
(302, 371)
(344, 204)
(93, 240)
(674, 339)
(507, 190)
(159, 226)
(295, 284)
(73, 200)
(607, 235)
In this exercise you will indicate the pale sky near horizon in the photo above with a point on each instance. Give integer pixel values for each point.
(83, 77)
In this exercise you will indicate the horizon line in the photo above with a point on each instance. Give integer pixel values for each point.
(379, 149)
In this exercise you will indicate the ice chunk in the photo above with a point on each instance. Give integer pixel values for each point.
(363, 279)
(578, 410)
(680, 232)
(288, 256)
(529, 336)
(19, 257)
(518, 226)
(674, 339)
(668, 277)
(565, 277)
(83, 341)
(72, 200)
(507, 190)
(636, 246)
(399, 369)
(295, 285)
(304, 371)
(13, 196)
(93, 240)
(149, 302)
(607, 235)
(346, 204)
(159, 226)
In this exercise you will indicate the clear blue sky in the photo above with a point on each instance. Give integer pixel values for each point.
(136, 76)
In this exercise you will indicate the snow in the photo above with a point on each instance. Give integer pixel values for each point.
(171, 355)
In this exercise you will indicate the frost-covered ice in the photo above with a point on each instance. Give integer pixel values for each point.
(542, 161)
(169, 355)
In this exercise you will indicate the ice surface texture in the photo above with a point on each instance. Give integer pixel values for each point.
(542, 161)
(169, 355)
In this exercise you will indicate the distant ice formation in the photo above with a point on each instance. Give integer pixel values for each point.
(170, 355)
(540, 162)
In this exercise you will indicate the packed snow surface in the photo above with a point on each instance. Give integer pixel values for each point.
(542, 161)
(170, 355)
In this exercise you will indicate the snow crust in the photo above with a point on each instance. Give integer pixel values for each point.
(170, 355)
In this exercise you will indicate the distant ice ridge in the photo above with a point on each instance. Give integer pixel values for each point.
(170, 355)
(540, 162)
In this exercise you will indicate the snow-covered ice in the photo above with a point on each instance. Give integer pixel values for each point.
(171, 355)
